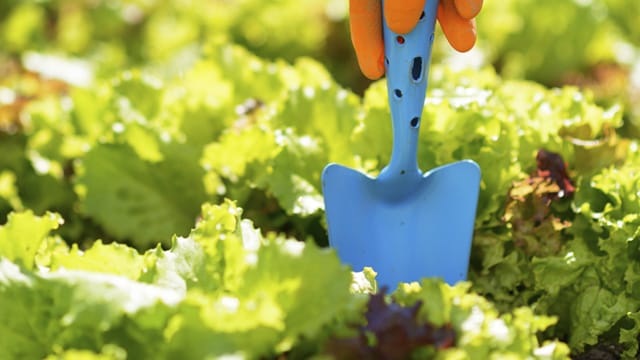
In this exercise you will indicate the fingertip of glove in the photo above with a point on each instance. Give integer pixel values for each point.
(462, 39)
(399, 26)
(373, 70)
(402, 15)
(468, 9)
(464, 44)
(460, 32)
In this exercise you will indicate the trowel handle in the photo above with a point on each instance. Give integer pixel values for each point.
(407, 58)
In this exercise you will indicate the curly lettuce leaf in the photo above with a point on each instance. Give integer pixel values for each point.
(23, 234)
(222, 290)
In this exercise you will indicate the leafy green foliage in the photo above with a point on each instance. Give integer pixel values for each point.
(225, 290)
(130, 119)
(260, 303)
(141, 153)
(598, 264)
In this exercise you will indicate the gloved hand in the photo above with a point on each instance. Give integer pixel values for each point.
(456, 18)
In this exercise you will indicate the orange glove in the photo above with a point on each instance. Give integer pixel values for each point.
(456, 17)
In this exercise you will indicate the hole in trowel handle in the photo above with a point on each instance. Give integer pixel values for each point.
(416, 69)
(415, 122)
(397, 93)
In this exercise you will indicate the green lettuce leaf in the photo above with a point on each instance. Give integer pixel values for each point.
(23, 234)
(125, 194)
(69, 309)
(116, 259)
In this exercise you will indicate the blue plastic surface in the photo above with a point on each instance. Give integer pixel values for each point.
(405, 224)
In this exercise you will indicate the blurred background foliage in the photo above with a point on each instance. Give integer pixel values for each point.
(590, 43)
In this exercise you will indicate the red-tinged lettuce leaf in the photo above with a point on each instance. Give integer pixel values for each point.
(391, 331)
(591, 284)
(499, 124)
(536, 230)
(551, 166)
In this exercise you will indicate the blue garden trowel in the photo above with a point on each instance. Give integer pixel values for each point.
(405, 224)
